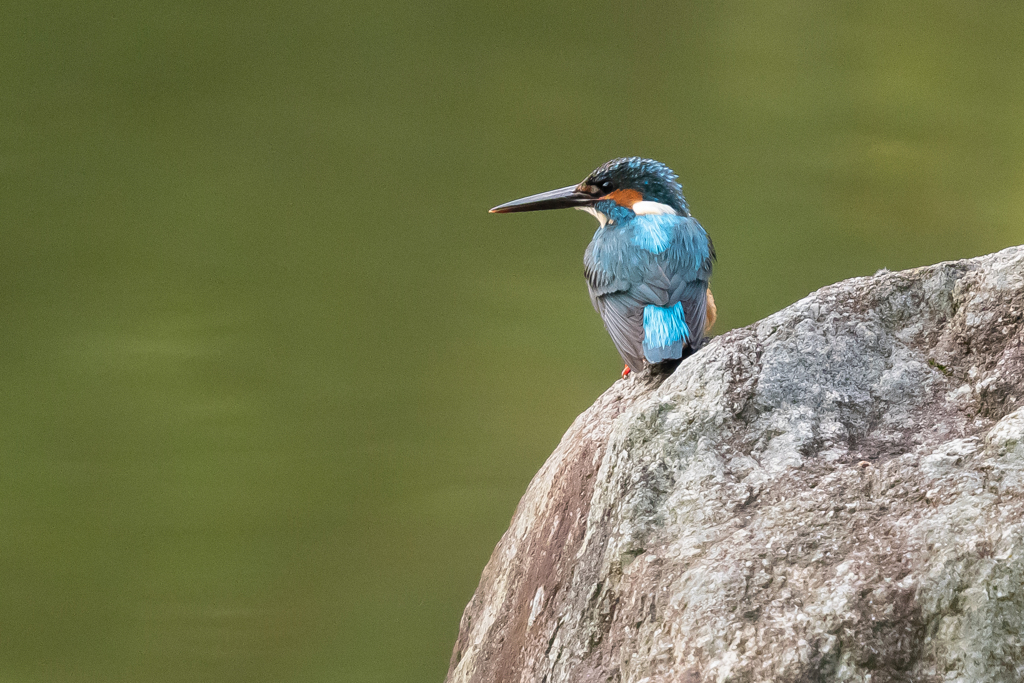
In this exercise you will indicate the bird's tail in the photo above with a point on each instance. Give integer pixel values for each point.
(665, 332)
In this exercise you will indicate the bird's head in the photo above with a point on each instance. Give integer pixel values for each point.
(631, 185)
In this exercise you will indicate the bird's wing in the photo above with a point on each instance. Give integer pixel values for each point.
(610, 285)
(624, 320)
(694, 295)
(688, 263)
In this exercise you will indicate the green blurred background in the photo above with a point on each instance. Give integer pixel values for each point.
(273, 380)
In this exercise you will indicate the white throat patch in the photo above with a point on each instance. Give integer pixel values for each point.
(601, 218)
(650, 208)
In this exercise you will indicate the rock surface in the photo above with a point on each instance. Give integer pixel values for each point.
(835, 493)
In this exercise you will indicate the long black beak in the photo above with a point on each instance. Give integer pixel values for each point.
(565, 198)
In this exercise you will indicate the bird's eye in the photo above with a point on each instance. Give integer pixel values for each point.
(597, 188)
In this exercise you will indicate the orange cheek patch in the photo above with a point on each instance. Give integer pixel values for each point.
(625, 198)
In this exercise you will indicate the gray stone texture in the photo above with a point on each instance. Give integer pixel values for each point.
(835, 493)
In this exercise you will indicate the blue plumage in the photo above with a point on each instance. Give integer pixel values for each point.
(665, 332)
(649, 263)
(654, 233)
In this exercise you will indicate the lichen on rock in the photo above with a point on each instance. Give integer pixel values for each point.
(835, 493)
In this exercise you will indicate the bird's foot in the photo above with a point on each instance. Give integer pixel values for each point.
(625, 372)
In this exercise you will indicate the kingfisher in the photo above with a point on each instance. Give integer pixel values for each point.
(649, 263)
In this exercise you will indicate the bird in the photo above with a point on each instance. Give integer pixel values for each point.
(649, 264)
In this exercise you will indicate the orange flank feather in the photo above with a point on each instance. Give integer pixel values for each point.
(626, 198)
(712, 313)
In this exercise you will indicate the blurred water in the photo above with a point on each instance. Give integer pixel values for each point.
(273, 380)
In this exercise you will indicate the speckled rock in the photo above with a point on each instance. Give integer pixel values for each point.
(835, 493)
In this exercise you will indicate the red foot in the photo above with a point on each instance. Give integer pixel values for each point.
(625, 373)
